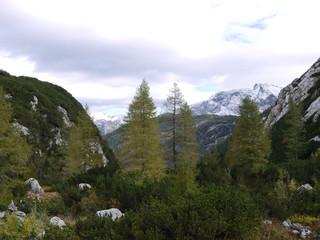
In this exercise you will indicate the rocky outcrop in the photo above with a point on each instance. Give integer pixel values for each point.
(35, 186)
(114, 213)
(300, 89)
(297, 228)
(57, 222)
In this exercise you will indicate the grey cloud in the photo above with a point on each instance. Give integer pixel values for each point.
(62, 49)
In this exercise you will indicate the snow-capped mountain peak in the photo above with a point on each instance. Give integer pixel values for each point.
(108, 122)
(228, 102)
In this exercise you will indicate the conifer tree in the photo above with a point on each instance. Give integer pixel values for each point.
(294, 134)
(83, 150)
(172, 105)
(187, 149)
(140, 152)
(14, 150)
(249, 148)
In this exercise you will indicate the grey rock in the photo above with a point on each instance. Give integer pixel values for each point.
(82, 186)
(306, 187)
(297, 226)
(57, 222)
(305, 233)
(286, 223)
(267, 222)
(35, 186)
(20, 213)
(2, 214)
(296, 232)
(12, 207)
(114, 213)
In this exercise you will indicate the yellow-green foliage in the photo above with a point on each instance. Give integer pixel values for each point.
(14, 228)
(304, 219)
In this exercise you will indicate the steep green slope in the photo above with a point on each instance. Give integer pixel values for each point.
(43, 111)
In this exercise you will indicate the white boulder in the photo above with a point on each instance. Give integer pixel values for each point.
(82, 186)
(35, 186)
(305, 187)
(114, 213)
(2, 214)
(286, 223)
(57, 222)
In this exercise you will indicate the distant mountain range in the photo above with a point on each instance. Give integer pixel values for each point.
(222, 103)
(227, 102)
(109, 123)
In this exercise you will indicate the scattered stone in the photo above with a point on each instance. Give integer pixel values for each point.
(82, 186)
(306, 187)
(20, 213)
(2, 214)
(57, 222)
(286, 223)
(114, 213)
(41, 235)
(296, 226)
(296, 232)
(305, 233)
(267, 222)
(35, 186)
(12, 207)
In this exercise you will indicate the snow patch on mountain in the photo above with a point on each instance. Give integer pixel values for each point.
(228, 102)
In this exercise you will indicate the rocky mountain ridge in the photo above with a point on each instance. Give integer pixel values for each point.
(303, 89)
(228, 102)
(305, 93)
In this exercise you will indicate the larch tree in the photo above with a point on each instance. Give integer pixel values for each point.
(140, 151)
(14, 150)
(83, 150)
(250, 148)
(172, 106)
(294, 134)
(187, 149)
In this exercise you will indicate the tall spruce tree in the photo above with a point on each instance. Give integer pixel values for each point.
(140, 152)
(83, 150)
(172, 106)
(14, 150)
(250, 147)
(294, 134)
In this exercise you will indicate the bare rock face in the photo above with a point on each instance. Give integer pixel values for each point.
(300, 89)
(114, 213)
(35, 186)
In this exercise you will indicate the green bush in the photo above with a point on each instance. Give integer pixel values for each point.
(213, 213)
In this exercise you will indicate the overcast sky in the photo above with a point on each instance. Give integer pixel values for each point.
(100, 50)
